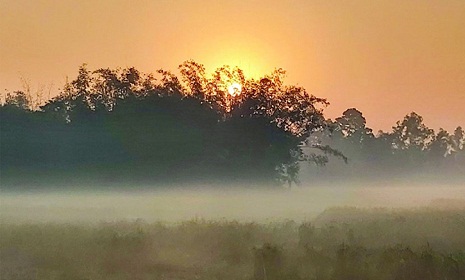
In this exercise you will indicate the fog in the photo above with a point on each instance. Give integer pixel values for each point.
(301, 203)
(328, 232)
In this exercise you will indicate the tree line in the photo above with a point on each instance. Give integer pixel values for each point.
(410, 150)
(120, 126)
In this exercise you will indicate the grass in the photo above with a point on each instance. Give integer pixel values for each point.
(341, 243)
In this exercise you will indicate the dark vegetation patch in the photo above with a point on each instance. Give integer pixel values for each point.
(120, 128)
(380, 244)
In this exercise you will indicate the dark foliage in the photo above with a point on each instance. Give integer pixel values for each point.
(350, 249)
(121, 126)
(410, 150)
(111, 127)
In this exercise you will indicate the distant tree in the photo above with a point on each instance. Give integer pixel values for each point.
(441, 146)
(18, 99)
(169, 84)
(458, 140)
(458, 146)
(352, 125)
(411, 140)
(352, 136)
(193, 76)
(82, 83)
(383, 152)
(412, 134)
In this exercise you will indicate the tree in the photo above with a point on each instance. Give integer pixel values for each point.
(412, 134)
(458, 146)
(120, 123)
(441, 146)
(193, 76)
(265, 124)
(458, 140)
(18, 99)
(352, 126)
(411, 140)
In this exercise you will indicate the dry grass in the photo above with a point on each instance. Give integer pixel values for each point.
(375, 244)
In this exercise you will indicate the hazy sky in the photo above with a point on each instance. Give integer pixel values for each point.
(384, 57)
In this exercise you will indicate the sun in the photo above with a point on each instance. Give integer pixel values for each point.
(234, 89)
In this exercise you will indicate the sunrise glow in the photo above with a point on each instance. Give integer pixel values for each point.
(377, 57)
(234, 89)
(227, 139)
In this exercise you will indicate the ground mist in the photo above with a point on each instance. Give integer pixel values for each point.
(382, 238)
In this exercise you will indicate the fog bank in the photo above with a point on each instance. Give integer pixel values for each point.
(258, 205)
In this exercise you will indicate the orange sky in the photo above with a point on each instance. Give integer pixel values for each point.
(384, 57)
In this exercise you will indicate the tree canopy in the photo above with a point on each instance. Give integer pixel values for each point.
(123, 125)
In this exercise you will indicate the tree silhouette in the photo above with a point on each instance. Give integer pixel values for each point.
(18, 99)
(193, 75)
(412, 134)
(121, 126)
(352, 125)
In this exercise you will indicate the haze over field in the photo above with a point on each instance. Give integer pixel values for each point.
(300, 204)
(225, 139)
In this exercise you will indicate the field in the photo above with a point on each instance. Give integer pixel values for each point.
(55, 236)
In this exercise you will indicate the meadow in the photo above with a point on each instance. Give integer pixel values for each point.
(339, 243)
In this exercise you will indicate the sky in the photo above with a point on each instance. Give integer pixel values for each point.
(386, 58)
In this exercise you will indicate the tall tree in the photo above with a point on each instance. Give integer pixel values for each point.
(193, 76)
(352, 126)
(412, 134)
(411, 139)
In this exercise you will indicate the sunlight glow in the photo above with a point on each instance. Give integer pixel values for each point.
(235, 89)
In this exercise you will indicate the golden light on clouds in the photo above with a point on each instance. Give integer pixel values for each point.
(386, 58)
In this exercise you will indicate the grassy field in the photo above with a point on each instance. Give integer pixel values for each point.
(340, 243)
